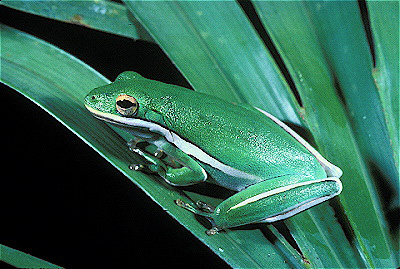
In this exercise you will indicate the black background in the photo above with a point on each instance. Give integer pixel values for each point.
(92, 215)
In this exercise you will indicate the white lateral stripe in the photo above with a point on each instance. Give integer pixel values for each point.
(283, 189)
(298, 209)
(330, 169)
(175, 139)
(193, 150)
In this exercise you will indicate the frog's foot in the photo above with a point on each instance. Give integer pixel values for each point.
(143, 168)
(186, 206)
(151, 154)
(202, 209)
(133, 143)
(137, 167)
(205, 207)
(214, 230)
(144, 146)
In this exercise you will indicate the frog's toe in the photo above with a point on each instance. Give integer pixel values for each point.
(205, 207)
(186, 206)
(195, 209)
(136, 143)
(144, 168)
(137, 167)
(159, 153)
(214, 230)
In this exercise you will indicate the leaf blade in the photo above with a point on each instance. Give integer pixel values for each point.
(101, 15)
(60, 91)
(384, 17)
(304, 55)
(233, 64)
(20, 259)
(190, 21)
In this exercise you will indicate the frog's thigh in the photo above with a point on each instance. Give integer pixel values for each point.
(191, 171)
(274, 199)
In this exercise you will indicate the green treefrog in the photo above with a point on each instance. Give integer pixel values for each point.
(189, 137)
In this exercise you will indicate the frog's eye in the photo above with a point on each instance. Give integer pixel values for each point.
(126, 105)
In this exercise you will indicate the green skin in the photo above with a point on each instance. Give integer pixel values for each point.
(189, 137)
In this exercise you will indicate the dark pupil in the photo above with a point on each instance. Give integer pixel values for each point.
(125, 103)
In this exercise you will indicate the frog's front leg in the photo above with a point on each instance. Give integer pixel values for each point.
(270, 200)
(177, 168)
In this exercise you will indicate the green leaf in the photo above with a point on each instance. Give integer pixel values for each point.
(214, 44)
(304, 37)
(60, 91)
(101, 15)
(352, 68)
(20, 259)
(203, 25)
(217, 49)
(384, 18)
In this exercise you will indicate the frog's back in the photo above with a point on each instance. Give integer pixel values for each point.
(243, 144)
(243, 139)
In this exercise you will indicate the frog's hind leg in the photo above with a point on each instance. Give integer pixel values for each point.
(267, 201)
(275, 199)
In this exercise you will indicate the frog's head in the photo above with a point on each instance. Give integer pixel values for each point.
(119, 99)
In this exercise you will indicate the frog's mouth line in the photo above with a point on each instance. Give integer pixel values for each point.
(181, 143)
(106, 119)
(131, 122)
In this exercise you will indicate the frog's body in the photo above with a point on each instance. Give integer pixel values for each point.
(276, 173)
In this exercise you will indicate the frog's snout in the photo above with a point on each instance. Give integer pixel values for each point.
(91, 100)
(89, 97)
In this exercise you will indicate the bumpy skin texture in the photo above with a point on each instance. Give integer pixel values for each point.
(236, 135)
